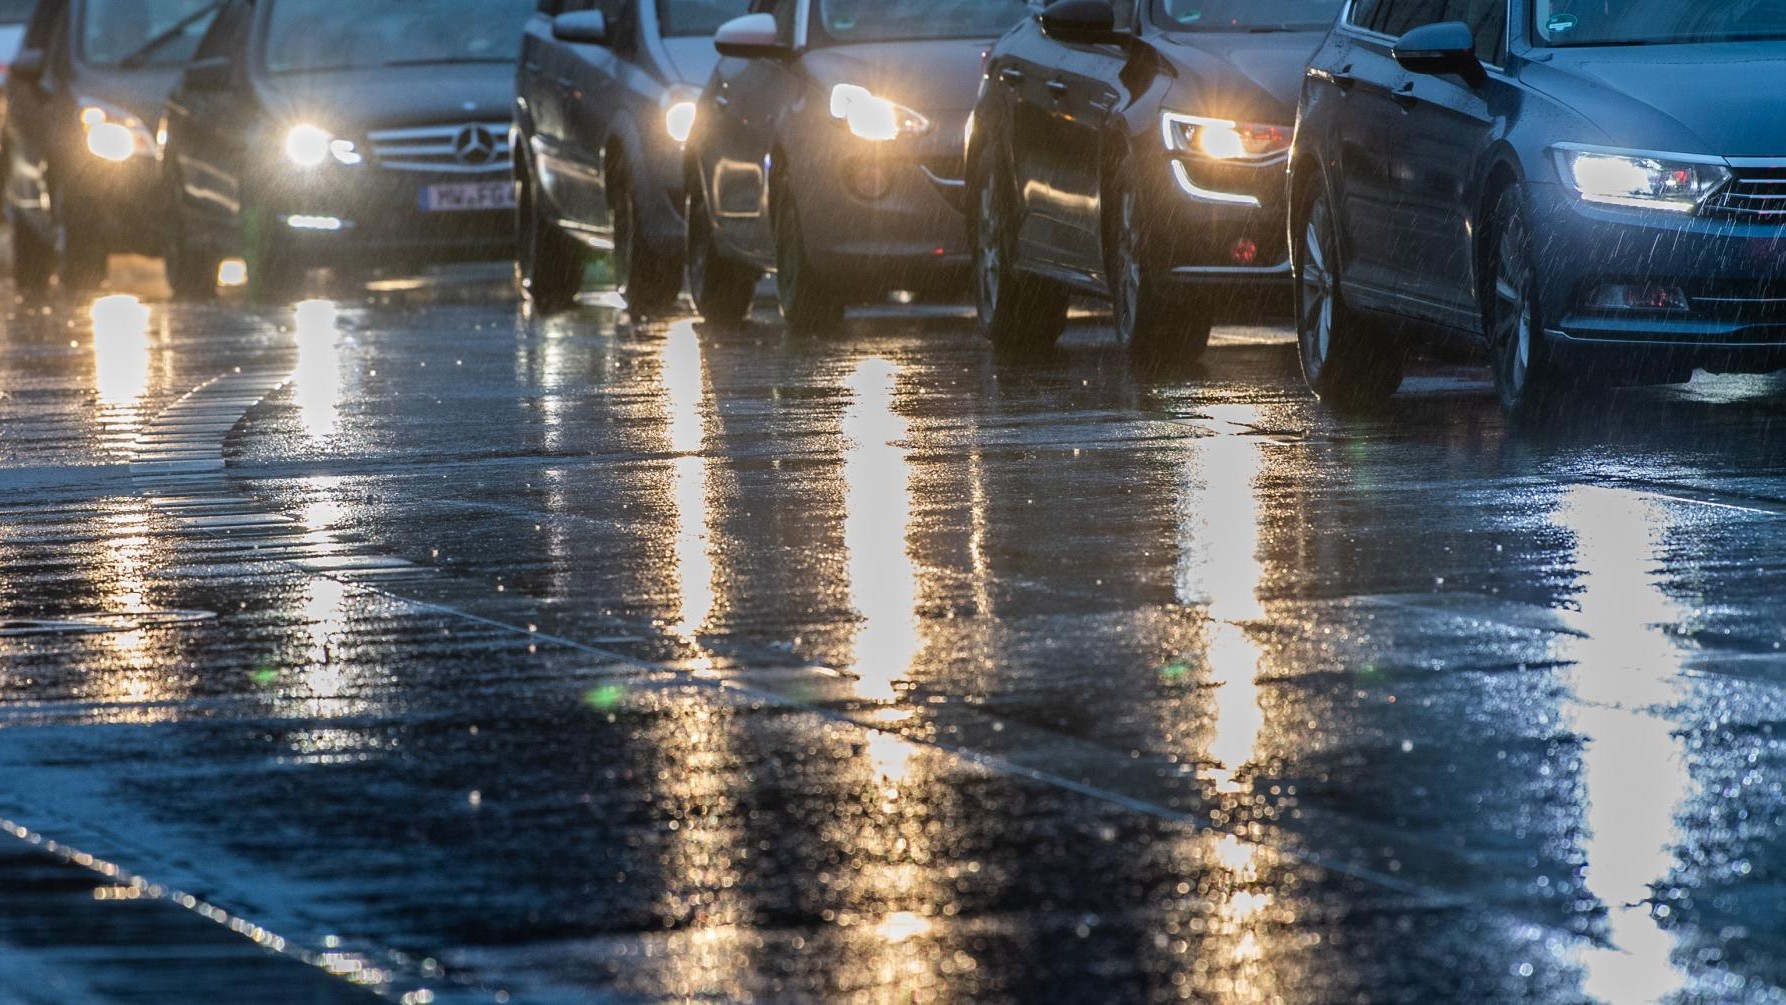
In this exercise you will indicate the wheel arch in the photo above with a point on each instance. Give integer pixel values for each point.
(1501, 174)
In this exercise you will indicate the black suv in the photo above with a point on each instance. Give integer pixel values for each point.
(81, 163)
(316, 133)
(1136, 149)
(605, 99)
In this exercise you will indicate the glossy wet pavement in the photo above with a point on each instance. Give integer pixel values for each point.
(418, 648)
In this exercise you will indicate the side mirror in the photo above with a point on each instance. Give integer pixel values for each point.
(752, 36)
(28, 65)
(214, 74)
(583, 27)
(1082, 22)
(1446, 47)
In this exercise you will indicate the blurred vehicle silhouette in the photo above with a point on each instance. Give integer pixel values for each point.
(605, 100)
(828, 149)
(1135, 150)
(315, 133)
(1595, 193)
(14, 14)
(82, 167)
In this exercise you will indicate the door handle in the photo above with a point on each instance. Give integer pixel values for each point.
(1010, 75)
(1058, 88)
(1404, 95)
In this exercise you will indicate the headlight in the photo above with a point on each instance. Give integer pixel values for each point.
(310, 146)
(1641, 180)
(679, 112)
(1224, 139)
(114, 134)
(874, 118)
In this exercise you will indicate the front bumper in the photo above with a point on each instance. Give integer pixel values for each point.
(883, 216)
(1218, 228)
(370, 216)
(1731, 272)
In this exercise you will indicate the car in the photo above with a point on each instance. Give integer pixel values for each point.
(309, 133)
(1593, 193)
(14, 15)
(81, 162)
(605, 99)
(827, 149)
(1135, 151)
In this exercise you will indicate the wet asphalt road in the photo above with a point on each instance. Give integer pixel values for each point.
(402, 644)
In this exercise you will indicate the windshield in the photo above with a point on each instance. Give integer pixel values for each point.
(309, 36)
(890, 20)
(1652, 22)
(145, 32)
(1247, 15)
(697, 17)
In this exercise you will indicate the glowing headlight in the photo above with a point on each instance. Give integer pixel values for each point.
(1224, 139)
(678, 104)
(874, 118)
(1640, 180)
(309, 146)
(114, 134)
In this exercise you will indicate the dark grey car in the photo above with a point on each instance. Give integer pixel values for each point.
(605, 99)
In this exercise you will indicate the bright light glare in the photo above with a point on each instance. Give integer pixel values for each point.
(311, 146)
(1223, 139)
(1642, 182)
(110, 140)
(679, 120)
(1610, 176)
(323, 223)
(232, 273)
(873, 118)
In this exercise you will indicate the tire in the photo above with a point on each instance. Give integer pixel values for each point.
(723, 288)
(650, 282)
(808, 304)
(1018, 312)
(1344, 366)
(33, 259)
(191, 270)
(549, 262)
(1157, 323)
(1528, 380)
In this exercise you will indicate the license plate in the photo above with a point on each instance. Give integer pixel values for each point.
(468, 197)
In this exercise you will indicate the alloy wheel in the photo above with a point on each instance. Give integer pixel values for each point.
(1513, 332)
(1126, 290)
(990, 235)
(1316, 291)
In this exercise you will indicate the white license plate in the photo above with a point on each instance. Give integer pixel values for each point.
(468, 196)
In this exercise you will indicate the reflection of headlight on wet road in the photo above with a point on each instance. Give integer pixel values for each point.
(310, 146)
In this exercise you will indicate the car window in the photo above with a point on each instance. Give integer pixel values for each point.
(143, 32)
(227, 32)
(1488, 25)
(696, 18)
(1654, 22)
(1247, 15)
(1396, 18)
(312, 36)
(893, 20)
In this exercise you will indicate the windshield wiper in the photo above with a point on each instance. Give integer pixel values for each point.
(140, 55)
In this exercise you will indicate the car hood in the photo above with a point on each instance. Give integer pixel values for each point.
(692, 59)
(1249, 77)
(394, 96)
(938, 76)
(1711, 99)
(142, 92)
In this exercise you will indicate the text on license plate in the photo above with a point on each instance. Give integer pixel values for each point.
(467, 196)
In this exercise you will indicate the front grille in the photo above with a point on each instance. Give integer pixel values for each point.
(1739, 301)
(459, 148)
(1756, 194)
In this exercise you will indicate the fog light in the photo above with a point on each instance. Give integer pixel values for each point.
(1245, 252)
(323, 223)
(870, 180)
(1637, 297)
(232, 272)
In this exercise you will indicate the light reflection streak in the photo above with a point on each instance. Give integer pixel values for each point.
(121, 351)
(685, 389)
(1633, 769)
(316, 382)
(877, 525)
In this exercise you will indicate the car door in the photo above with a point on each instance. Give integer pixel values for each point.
(208, 116)
(1086, 90)
(748, 99)
(1446, 131)
(539, 89)
(594, 84)
(1373, 217)
(1028, 62)
(30, 125)
(569, 176)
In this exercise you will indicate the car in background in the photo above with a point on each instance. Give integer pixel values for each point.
(604, 102)
(316, 133)
(14, 15)
(1135, 150)
(1594, 193)
(81, 162)
(828, 149)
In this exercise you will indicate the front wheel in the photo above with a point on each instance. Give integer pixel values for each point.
(1017, 311)
(549, 263)
(723, 288)
(1343, 365)
(33, 259)
(808, 304)
(650, 281)
(1155, 322)
(191, 269)
(1527, 377)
